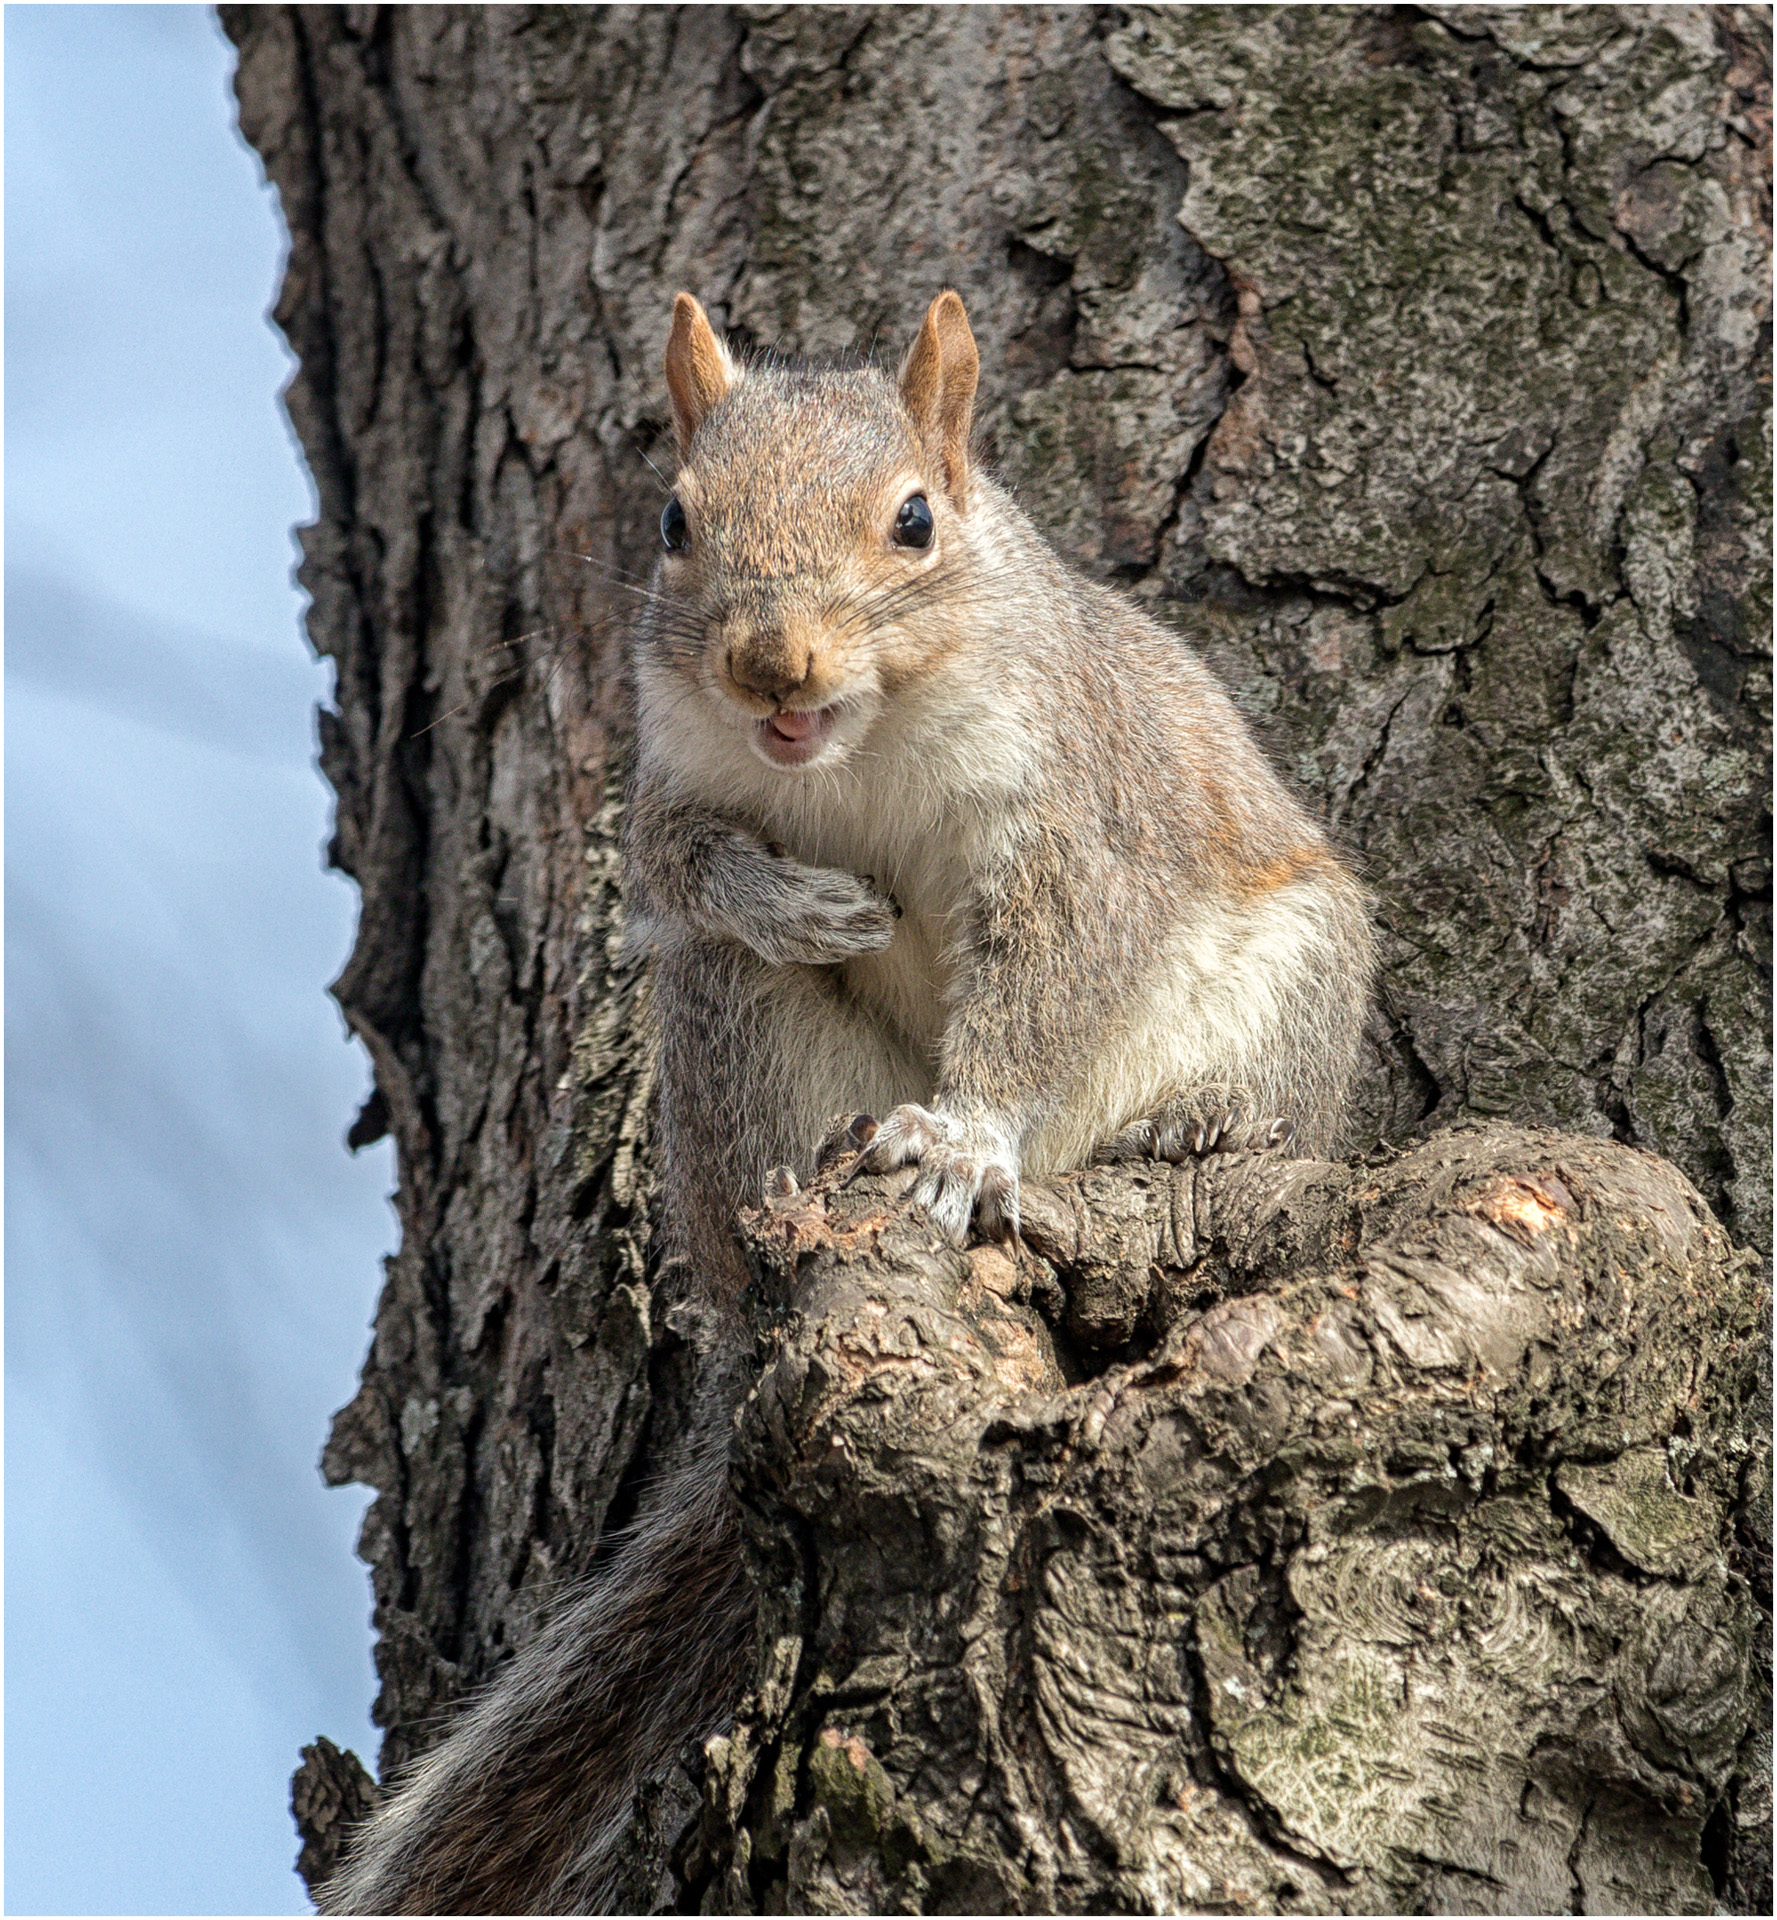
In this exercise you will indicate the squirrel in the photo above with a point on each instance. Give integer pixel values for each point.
(921, 824)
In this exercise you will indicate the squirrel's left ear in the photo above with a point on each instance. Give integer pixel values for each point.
(938, 388)
(699, 369)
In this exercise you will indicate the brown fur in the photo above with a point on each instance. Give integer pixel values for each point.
(1253, 881)
(697, 368)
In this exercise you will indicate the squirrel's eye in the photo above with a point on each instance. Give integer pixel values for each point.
(913, 524)
(672, 526)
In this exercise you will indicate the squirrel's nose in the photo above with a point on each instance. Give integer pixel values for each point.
(770, 668)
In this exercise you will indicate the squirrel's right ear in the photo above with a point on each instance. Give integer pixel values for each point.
(699, 369)
(938, 388)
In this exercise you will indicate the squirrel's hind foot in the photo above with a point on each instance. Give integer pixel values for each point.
(1178, 1136)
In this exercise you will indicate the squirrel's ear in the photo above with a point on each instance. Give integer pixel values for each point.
(699, 369)
(938, 387)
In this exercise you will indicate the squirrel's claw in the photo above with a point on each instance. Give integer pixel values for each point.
(909, 1133)
(996, 1207)
(849, 1136)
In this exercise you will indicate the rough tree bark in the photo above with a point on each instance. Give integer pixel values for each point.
(1364, 1537)
(1266, 1539)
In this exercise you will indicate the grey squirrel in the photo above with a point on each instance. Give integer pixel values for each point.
(921, 824)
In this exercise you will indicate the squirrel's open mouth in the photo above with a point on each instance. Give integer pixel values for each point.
(792, 739)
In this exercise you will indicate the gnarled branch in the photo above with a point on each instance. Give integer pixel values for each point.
(1262, 1535)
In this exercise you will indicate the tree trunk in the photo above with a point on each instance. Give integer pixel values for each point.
(1412, 362)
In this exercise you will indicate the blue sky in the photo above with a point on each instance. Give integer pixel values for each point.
(191, 1256)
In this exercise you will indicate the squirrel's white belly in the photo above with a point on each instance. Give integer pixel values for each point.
(904, 987)
(1212, 1013)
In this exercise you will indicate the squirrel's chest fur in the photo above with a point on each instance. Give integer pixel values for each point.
(930, 808)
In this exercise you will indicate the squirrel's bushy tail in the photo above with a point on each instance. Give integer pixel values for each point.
(522, 1808)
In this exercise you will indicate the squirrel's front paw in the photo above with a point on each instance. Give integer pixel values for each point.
(823, 915)
(967, 1170)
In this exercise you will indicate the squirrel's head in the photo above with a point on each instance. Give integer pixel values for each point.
(818, 524)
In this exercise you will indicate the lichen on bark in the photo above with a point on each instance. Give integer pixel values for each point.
(1504, 291)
